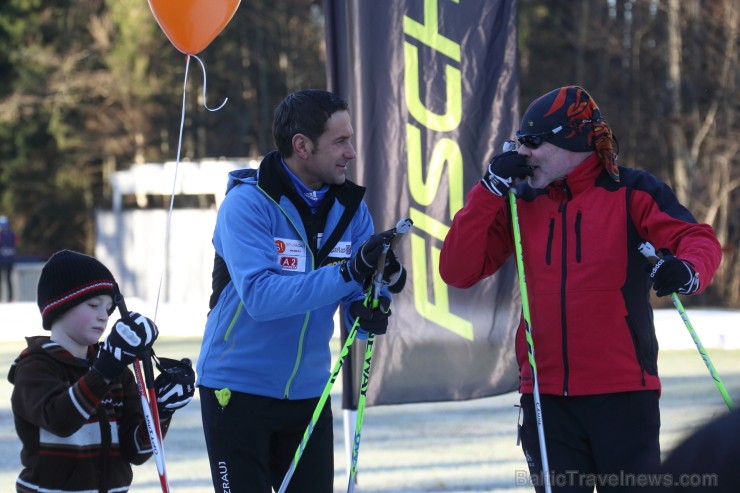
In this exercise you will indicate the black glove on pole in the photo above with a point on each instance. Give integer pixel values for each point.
(362, 265)
(389, 270)
(502, 170)
(145, 354)
(372, 320)
(394, 275)
(175, 385)
(130, 338)
(672, 275)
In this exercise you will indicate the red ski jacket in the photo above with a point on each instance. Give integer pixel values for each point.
(589, 297)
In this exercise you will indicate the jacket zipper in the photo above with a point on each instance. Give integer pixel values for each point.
(563, 210)
(299, 356)
(578, 236)
(286, 392)
(233, 320)
(550, 236)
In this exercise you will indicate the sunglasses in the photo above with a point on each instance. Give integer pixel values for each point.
(533, 141)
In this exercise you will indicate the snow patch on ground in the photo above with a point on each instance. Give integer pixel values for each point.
(716, 328)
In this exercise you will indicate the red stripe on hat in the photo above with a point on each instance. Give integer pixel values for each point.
(76, 294)
(558, 102)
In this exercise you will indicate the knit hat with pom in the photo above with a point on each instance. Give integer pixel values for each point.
(68, 279)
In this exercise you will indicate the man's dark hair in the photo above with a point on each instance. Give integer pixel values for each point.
(304, 112)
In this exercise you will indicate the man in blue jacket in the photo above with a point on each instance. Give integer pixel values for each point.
(293, 239)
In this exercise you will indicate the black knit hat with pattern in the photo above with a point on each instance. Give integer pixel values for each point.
(68, 279)
(581, 126)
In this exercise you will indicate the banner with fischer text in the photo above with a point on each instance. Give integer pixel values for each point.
(432, 87)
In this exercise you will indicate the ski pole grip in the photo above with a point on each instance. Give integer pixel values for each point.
(146, 358)
(379, 273)
(402, 227)
(648, 251)
(509, 146)
(120, 302)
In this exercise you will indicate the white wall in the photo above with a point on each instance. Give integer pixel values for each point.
(158, 256)
(133, 244)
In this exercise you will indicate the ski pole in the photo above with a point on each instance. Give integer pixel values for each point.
(320, 405)
(651, 255)
(403, 226)
(360, 417)
(373, 301)
(324, 396)
(530, 340)
(148, 405)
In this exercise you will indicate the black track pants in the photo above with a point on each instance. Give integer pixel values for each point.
(609, 442)
(252, 441)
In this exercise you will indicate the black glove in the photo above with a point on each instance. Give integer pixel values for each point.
(394, 275)
(174, 386)
(502, 170)
(373, 320)
(362, 265)
(130, 337)
(672, 275)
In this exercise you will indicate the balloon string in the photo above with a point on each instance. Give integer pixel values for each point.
(168, 227)
(174, 188)
(203, 67)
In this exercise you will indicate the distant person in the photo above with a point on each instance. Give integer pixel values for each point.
(8, 243)
(582, 219)
(293, 239)
(75, 403)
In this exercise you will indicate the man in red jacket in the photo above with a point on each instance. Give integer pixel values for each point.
(582, 219)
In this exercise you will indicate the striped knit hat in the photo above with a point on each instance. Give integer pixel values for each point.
(68, 279)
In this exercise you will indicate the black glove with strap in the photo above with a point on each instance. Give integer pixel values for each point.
(673, 275)
(394, 275)
(174, 386)
(130, 337)
(502, 170)
(372, 320)
(362, 265)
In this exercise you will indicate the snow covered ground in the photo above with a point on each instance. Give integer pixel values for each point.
(715, 328)
(451, 447)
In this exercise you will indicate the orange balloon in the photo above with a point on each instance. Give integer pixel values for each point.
(191, 25)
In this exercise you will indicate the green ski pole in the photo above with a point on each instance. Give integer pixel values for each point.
(530, 340)
(651, 255)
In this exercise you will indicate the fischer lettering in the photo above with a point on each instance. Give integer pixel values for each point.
(444, 165)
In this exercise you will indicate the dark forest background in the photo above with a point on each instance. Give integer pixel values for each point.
(88, 87)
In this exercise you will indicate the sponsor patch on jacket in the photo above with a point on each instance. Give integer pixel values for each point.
(343, 249)
(291, 254)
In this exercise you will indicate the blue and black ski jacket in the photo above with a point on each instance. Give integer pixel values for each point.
(277, 285)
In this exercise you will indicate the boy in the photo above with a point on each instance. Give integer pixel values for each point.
(76, 406)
